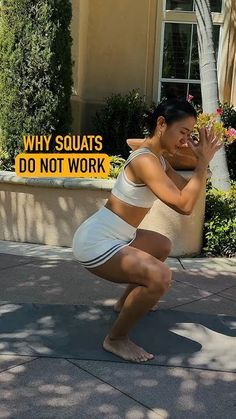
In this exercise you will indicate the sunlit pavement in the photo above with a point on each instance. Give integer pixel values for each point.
(54, 316)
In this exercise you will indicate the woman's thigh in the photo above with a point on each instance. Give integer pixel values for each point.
(153, 243)
(133, 266)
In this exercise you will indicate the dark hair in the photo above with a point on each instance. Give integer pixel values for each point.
(172, 110)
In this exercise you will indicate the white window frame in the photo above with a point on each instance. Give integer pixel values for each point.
(187, 17)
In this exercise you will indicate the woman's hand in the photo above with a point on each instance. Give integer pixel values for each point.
(208, 145)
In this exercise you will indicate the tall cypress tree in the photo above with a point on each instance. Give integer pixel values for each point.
(35, 70)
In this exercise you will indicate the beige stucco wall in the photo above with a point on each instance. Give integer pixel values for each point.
(45, 215)
(184, 231)
(113, 52)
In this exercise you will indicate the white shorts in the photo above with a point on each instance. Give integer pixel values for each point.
(101, 236)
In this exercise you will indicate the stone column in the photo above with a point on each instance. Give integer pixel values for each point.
(227, 65)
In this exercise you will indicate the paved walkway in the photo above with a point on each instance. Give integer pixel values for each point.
(54, 316)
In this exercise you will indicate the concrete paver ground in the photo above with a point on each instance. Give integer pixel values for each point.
(54, 314)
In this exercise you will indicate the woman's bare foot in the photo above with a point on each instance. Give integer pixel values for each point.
(126, 349)
(117, 307)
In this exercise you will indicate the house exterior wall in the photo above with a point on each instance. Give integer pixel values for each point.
(113, 52)
(116, 49)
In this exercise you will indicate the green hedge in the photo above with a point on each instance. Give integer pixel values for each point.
(121, 118)
(220, 222)
(35, 70)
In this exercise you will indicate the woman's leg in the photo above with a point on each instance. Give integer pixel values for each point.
(156, 245)
(151, 277)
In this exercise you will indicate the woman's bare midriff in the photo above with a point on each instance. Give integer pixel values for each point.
(131, 214)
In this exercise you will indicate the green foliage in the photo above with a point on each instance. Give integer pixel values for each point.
(35, 70)
(228, 115)
(4, 161)
(229, 119)
(121, 118)
(116, 164)
(220, 222)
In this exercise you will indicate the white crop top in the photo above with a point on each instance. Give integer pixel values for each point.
(137, 194)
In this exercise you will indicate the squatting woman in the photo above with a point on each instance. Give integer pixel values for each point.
(110, 244)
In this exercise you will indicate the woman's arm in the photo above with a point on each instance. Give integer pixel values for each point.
(178, 180)
(150, 171)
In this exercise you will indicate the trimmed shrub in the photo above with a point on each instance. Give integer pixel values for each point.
(35, 70)
(220, 222)
(121, 118)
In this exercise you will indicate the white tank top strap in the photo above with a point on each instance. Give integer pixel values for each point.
(163, 162)
(136, 153)
(144, 150)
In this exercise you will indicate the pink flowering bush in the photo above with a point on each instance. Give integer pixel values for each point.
(224, 122)
(214, 121)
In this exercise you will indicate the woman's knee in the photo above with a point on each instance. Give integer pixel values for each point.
(159, 278)
(166, 247)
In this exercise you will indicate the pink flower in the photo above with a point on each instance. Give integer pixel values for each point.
(230, 135)
(219, 111)
(189, 98)
(231, 132)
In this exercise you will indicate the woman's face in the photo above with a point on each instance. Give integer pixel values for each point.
(177, 134)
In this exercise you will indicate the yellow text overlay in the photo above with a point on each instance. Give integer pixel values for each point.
(74, 143)
(62, 165)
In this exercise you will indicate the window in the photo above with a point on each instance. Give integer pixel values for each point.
(180, 66)
(179, 73)
(189, 6)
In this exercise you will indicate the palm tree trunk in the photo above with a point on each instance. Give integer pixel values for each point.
(209, 86)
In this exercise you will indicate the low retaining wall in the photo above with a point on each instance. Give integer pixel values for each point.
(48, 211)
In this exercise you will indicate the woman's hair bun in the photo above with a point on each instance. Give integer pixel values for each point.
(172, 110)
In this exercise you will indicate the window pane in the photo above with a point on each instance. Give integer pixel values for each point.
(187, 5)
(173, 90)
(215, 5)
(181, 5)
(181, 90)
(216, 36)
(176, 50)
(195, 91)
(194, 69)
